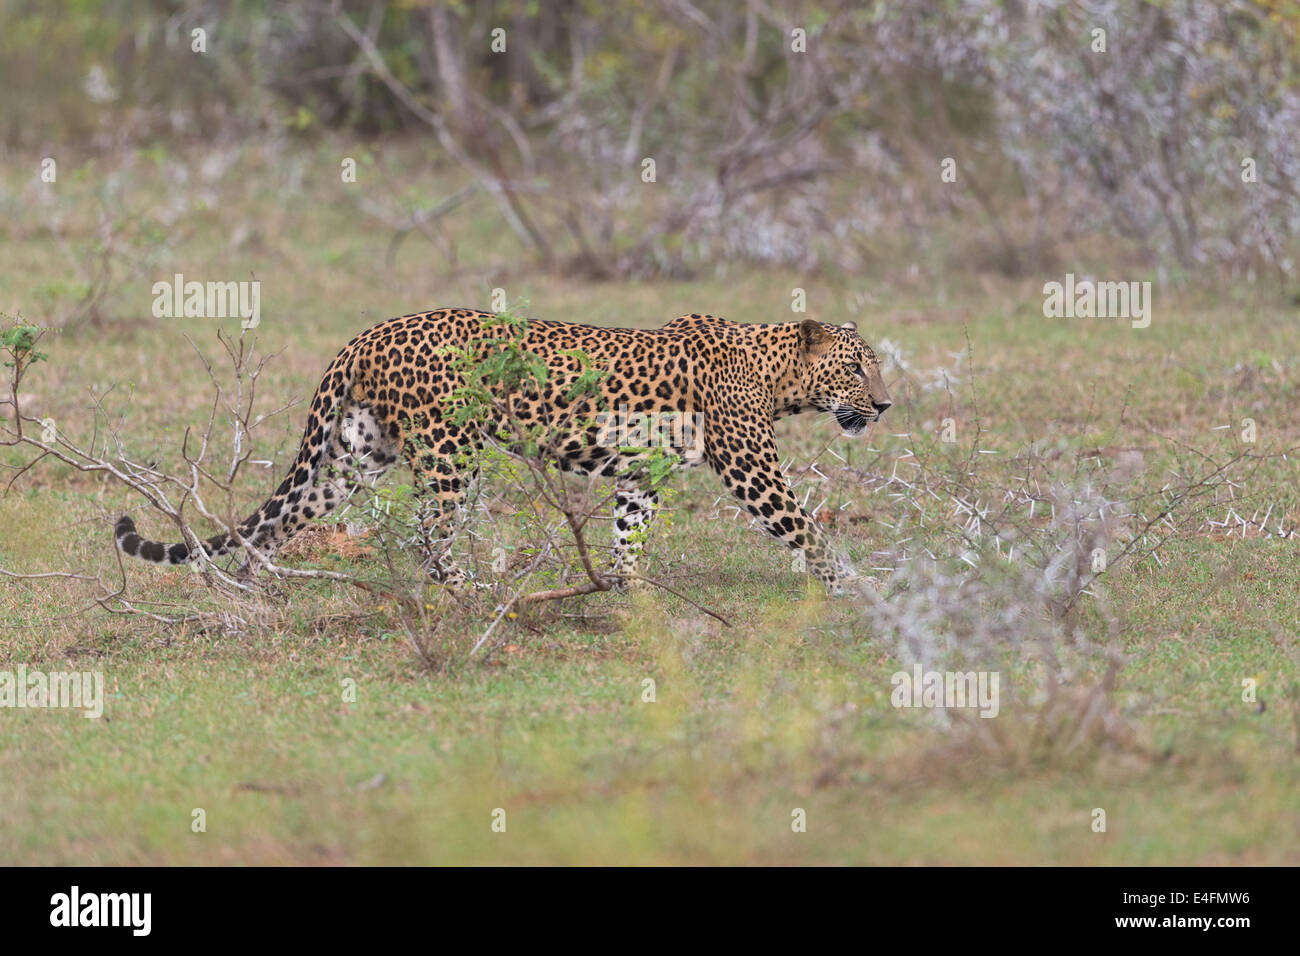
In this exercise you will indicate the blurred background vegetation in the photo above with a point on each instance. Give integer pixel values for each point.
(808, 135)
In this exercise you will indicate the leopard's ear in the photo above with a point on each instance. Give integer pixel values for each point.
(850, 325)
(813, 337)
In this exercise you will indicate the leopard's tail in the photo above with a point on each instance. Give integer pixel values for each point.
(282, 514)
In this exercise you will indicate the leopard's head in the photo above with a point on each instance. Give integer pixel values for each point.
(841, 375)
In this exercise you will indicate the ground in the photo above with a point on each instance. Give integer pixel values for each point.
(788, 708)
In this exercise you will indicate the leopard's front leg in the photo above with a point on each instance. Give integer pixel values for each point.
(744, 455)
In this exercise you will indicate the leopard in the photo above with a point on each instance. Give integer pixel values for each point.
(390, 395)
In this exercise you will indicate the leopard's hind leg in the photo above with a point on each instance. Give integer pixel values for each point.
(358, 450)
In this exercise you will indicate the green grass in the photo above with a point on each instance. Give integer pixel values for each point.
(749, 724)
(789, 708)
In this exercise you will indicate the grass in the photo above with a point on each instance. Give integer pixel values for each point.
(787, 709)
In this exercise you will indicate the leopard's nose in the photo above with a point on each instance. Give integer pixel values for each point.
(880, 406)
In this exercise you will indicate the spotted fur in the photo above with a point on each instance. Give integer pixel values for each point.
(386, 397)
